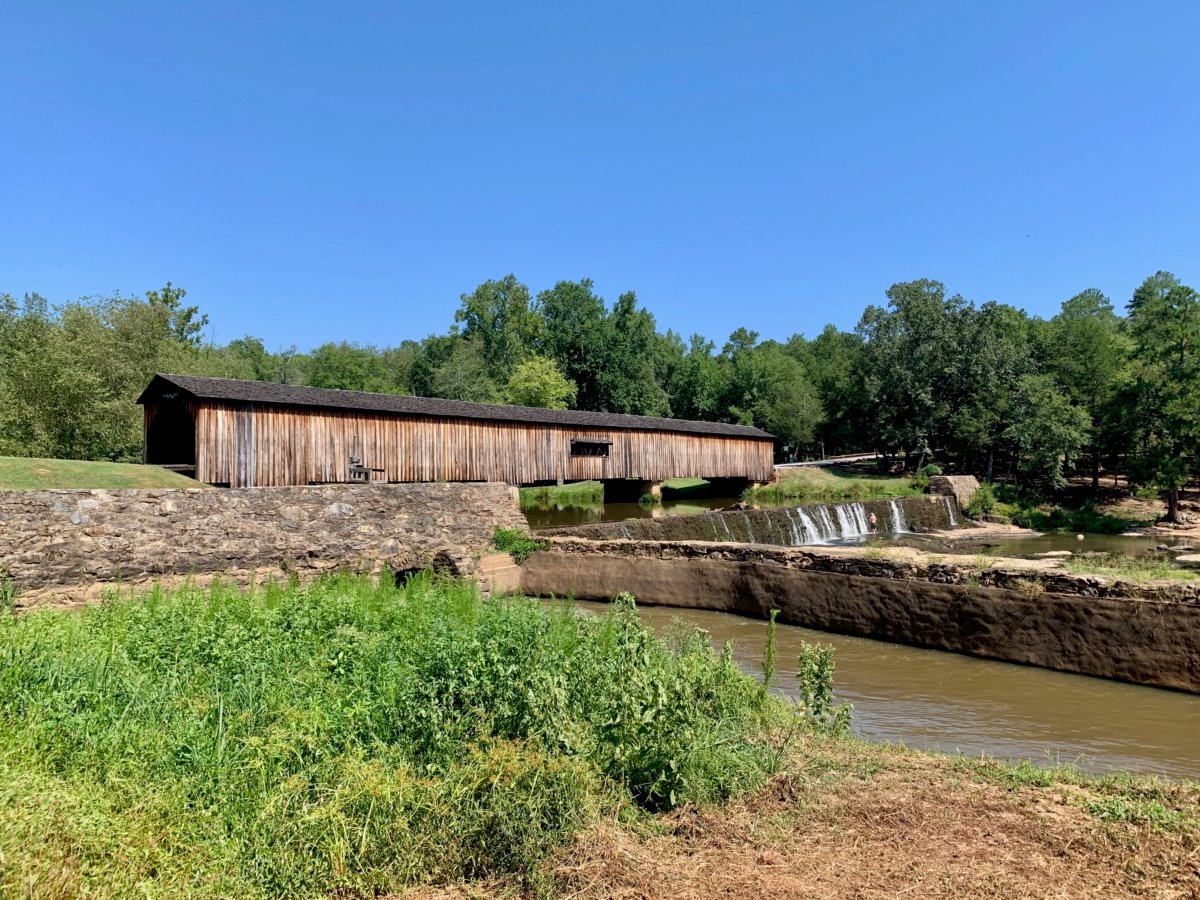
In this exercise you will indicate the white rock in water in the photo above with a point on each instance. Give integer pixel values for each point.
(1079, 537)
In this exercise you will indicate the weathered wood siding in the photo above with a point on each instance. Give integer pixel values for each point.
(244, 445)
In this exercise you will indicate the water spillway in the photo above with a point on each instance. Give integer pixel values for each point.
(792, 526)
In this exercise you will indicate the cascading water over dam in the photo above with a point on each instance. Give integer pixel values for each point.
(797, 526)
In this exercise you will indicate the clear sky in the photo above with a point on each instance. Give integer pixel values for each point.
(325, 171)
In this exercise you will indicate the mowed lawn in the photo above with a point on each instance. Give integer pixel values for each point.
(23, 473)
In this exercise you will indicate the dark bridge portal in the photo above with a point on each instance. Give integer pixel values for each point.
(171, 435)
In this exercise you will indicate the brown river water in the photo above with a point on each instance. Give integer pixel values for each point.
(958, 704)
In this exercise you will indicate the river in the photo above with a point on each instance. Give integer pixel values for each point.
(943, 701)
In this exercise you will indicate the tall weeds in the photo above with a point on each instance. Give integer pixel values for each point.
(350, 738)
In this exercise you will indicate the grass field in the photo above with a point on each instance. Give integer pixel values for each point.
(810, 484)
(23, 473)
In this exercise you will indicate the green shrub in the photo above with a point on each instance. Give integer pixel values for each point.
(982, 502)
(518, 544)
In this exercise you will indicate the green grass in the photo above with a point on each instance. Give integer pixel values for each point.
(1127, 568)
(347, 739)
(23, 473)
(1136, 800)
(591, 493)
(578, 493)
(831, 485)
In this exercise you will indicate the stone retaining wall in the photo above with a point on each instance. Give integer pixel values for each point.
(1142, 634)
(66, 547)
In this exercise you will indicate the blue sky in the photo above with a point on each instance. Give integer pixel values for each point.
(320, 171)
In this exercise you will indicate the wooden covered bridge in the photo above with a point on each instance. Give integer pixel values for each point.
(249, 434)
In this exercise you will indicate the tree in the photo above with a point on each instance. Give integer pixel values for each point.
(910, 363)
(1045, 428)
(499, 315)
(834, 363)
(536, 381)
(575, 337)
(627, 382)
(185, 322)
(1164, 320)
(768, 388)
(348, 367)
(1089, 355)
(698, 385)
(994, 354)
(460, 372)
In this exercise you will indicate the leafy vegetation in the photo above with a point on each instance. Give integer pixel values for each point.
(815, 679)
(347, 739)
(518, 544)
(982, 502)
(1032, 509)
(24, 473)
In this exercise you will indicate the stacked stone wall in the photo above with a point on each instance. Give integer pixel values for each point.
(65, 547)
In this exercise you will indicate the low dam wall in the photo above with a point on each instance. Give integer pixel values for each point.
(67, 547)
(1146, 634)
(813, 523)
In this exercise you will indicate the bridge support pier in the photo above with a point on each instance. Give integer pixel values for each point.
(630, 490)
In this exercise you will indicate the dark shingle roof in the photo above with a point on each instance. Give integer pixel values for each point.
(292, 395)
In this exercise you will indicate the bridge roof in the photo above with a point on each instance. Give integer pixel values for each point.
(233, 390)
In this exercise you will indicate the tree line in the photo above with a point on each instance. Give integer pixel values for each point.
(1002, 393)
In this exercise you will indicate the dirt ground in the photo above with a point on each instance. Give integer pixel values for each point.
(863, 822)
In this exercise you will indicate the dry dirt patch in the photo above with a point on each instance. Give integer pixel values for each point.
(913, 826)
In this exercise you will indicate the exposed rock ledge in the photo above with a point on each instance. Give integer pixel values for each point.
(1012, 610)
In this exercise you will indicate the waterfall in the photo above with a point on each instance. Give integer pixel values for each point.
(749, 529)
(843, 520)
(852, 517)
(860, 516)
(625, 529)
(828, 530)
(800, 526)
(797, 539)
(811, 533)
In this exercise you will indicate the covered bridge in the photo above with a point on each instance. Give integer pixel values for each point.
(251, 433)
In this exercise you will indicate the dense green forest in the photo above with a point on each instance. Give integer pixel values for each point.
(1001, 393)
